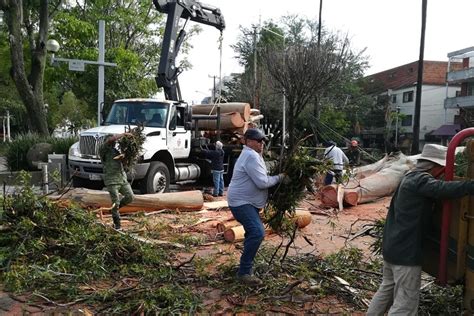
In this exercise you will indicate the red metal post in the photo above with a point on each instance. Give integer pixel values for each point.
(446, 215)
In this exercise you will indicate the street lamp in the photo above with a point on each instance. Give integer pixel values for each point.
(78, 64)
(396, 126)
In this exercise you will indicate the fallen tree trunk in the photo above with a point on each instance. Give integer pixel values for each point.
(370, 184)
(184, 201)
(228, 121)
(211, 109)
(233, 231)
(331, 198)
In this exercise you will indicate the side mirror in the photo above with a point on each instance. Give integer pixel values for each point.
(188, 118)
(174, 118)
(103, 113)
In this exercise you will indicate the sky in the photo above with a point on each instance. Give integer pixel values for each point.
(389, 30)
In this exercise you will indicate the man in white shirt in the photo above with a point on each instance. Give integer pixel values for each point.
(338, 158)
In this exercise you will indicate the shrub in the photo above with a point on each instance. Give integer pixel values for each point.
(16, 150)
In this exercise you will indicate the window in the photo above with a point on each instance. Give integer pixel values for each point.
(394, 98)
(407, 120)
(407, 96)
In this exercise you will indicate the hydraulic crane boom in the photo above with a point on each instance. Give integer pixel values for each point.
(168, 73)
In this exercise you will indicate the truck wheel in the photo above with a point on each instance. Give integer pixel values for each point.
(157, 179)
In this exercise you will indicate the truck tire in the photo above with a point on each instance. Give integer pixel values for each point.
(157, 179)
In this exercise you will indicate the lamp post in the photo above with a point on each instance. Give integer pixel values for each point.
(396, 126)
(78, 65)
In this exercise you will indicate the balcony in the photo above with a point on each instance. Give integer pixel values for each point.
(463, 102)
(460, 75)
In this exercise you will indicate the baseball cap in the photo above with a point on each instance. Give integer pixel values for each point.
(255, 134)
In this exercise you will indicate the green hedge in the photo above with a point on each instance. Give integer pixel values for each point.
(16, 151)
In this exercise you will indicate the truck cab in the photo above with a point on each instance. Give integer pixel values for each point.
(168, 140)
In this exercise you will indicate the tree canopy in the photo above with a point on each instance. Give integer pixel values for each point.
(133, 40)
(292, 61)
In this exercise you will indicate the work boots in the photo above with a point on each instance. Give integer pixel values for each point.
(250, 280)
(116, 219)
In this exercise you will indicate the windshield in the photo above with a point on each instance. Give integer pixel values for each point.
(151, 114)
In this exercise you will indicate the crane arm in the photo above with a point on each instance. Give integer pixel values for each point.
(168, 73)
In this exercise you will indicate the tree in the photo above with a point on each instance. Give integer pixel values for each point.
(71, 113)
(133, 37)
(305, 70)
(290, 60)
(28, 25)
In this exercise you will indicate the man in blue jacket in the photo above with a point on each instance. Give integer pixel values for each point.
(217, 167)
(410, 211)
(247, 194)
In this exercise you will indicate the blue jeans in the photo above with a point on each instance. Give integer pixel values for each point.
(247, 215)
(218, 178)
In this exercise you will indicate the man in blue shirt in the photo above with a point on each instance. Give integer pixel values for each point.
(247, 193)
(217, 167)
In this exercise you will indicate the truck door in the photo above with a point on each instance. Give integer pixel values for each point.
(178, 139)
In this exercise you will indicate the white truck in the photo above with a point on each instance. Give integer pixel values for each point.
(171, 149)
(171, 152)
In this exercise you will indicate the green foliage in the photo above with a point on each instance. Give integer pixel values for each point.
(16, 150)
(133, 37)
(300, 168)
(131, 146)
(58, 249)
(461, 165)
(303, 66)
(72, 113)
(437, 300)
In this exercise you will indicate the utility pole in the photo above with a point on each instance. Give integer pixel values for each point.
(415, 146)
(320, 22)
(255, 83)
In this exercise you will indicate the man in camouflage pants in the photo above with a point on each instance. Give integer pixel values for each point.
(115, 178)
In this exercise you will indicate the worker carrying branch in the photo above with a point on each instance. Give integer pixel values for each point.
(115, 178)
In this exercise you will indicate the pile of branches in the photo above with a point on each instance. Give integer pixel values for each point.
(307, 278)
(59, 254)
(131, 147)
(300, 168)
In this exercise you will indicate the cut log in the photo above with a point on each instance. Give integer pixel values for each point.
(233, 234)
(211, 109)
(228, 121)
(215, 205)
(237, 233)
(184, 201)
(302, 218)
(351, 198)
(224, 225)
(233, 231)
(329, 196)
